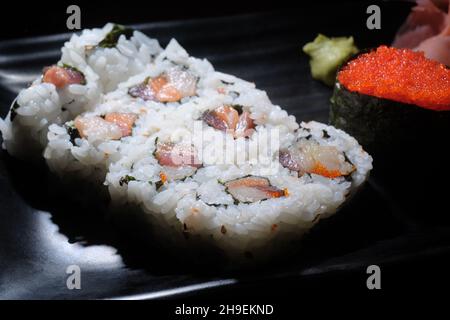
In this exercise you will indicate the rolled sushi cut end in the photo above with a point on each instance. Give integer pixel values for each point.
(238, 209)
(388, 96)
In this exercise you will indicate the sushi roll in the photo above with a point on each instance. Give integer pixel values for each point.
(194, 157)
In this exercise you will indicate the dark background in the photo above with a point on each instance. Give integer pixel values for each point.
(31, 18)
(23, 19)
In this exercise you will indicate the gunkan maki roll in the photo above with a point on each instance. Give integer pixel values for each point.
(389, 98)
(396, 102)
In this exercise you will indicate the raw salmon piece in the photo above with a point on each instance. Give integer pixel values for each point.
(62, 76)
(252, 189)
(125, 121)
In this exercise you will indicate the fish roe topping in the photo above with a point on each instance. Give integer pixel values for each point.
(401, 75)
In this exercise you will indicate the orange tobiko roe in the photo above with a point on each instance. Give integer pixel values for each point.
(401, 75)
(320, 169)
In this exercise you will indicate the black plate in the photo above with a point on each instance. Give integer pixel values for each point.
(42, 234)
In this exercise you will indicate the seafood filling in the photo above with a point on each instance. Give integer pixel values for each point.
(171, 86)
(252, 189)
(229, 119)
(113, 126)
(61, 77)
(310, 157)
(179, 160)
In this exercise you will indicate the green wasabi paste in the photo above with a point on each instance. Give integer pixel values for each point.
(327, 54)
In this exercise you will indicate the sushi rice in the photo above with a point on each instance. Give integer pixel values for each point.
(142, 104)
